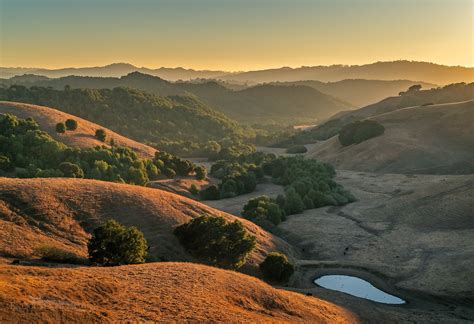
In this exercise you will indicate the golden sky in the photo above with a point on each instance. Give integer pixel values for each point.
(234, 35)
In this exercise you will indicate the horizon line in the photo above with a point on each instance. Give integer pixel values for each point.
(231, 71)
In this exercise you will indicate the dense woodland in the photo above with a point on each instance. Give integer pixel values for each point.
(179, 124)
(26, 151)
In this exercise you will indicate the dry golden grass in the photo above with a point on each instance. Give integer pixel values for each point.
(62, 212)
(429, 139)
(82, 137)
(165, 292)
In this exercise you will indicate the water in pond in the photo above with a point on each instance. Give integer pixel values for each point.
(357, 287)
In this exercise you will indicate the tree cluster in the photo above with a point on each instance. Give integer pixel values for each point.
(216, 241)
(359, 131)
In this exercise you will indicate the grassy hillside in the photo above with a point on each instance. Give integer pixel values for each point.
(82, 137)
(422, 139)
(137, 114)
(360, 92)
(451, 93)
(260, 103)
(62, 212)
(164, 292)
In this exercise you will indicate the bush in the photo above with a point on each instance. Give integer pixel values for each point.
(194, 189)
(216, 241)
(101, 135)
(276, 267)
(297, 149)
(114, 244)
(51, 253)
(359, 131)
(71, 124)
(60, 128)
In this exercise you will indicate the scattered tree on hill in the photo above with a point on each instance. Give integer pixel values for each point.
(71, 124)
(216, 241)
(210, 193)
(415, 87)
(60, 128)
(359, 131)
(100, 134)
(276, 267)
(114, 244)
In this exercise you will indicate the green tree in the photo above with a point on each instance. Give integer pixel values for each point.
(114, 244)
(71, 124)
(100, 134)
(276, 267)
(293, 202)
(71, 170)
(60, 128)
(216, 241)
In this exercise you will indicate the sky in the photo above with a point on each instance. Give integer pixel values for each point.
(234, 35)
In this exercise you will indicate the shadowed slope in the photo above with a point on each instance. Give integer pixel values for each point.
(83, 136)
(62, 212)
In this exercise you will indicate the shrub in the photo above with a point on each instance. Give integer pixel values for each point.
(359, 131)
(297, 149)
(276, 267)
(216, 241)
(60, 128)
(101, 135)
(51, 253)
(71, 170)
(194, 189)
(114, 244)
(71, 124)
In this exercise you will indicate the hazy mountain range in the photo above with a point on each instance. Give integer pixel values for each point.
(397, 70)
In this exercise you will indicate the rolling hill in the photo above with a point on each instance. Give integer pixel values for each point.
(62, 212)
(434, 139)
(250, 105)
(164, 292)
(137, 114)
(360, 92)
(83, 136)
(396, 70)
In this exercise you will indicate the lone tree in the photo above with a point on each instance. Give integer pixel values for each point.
(276, 267)
(100, 134)
(114, 244)
(71, 124)
(216, 241)
(201, 172)
(60, 128)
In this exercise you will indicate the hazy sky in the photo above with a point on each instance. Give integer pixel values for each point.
(233, 34)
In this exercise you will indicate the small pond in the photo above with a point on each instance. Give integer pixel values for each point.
(357, 287)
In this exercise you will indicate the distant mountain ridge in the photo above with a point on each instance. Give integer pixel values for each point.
(395, 70)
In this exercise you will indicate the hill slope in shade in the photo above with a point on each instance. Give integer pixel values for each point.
(360, 92)
(424, 139)
(166, 292)
(63, 212)
(83, 136)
